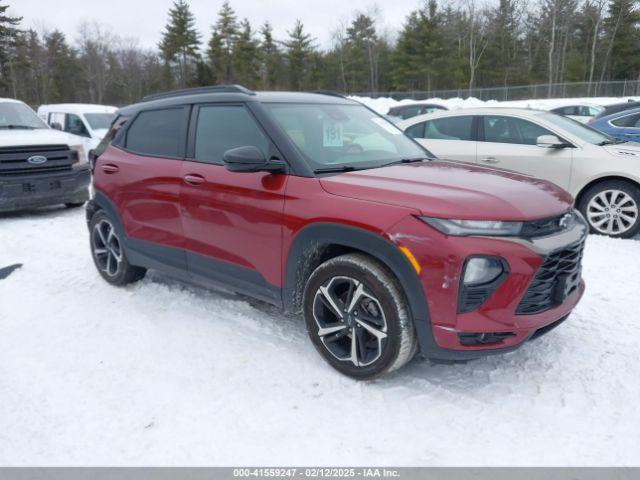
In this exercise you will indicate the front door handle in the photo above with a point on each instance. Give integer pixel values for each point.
(110, 168)
(489, 160)
(194, 179)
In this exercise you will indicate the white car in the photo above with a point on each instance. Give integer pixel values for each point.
(602, 173)
(89, 122)
(582, 112)
(39, 166)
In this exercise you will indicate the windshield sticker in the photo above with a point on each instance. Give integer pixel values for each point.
(333, 134)
(387, 126)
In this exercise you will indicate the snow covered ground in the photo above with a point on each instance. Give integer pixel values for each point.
(382, 104)
(162, 373)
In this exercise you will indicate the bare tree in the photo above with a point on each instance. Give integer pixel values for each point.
(597, 7)
(478, 40)
(95, 43)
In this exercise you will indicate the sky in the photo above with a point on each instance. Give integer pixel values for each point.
(145, 19)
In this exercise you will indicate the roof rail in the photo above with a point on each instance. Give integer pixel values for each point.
(331, 93)
(199, 90)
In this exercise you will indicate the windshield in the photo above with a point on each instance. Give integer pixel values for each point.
(344, 136)
(98, 121)
(18, 116)
(580, 130)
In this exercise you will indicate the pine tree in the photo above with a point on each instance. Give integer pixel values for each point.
(623, 38)
(270, 60)
(245, 60)
(222, 43)
(61, 67)
(181, 41)
(420, 53)
(362, 54)
(298, 54)
(8, 37)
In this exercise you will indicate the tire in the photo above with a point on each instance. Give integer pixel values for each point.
(376, 334)
(74, 205)
(108, 254)
(618, 199)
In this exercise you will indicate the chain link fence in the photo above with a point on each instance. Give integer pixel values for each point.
(617, 88)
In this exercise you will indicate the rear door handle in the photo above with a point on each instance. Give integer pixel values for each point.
(110, 168)
(489, 160)
(194, 179)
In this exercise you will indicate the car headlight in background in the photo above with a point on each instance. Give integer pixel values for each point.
(474, 227)
(79, 155)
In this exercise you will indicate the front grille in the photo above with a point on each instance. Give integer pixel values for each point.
(556, 279)
(13, 160)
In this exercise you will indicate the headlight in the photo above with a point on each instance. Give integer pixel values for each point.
(78, 153)
(474, 227)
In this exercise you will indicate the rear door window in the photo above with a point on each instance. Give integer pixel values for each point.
(159, 133)
(452, 128)
(628, 121)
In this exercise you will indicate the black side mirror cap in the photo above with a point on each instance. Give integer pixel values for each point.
(251, 159)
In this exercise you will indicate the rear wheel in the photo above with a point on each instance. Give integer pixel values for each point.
(357, 317)
(108, 253)
(612, 208)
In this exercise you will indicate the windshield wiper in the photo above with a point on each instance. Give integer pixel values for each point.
(17, 127)
(406, 160)
(337, 168)
(611, 142)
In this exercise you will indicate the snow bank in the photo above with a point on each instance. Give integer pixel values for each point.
(163, 374)
(383, 104)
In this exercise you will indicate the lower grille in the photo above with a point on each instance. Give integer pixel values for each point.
(557, 278)
(14, 160)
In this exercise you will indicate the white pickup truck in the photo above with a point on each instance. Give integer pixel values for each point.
(39, 166)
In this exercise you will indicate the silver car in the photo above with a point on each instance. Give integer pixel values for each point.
(602, 173)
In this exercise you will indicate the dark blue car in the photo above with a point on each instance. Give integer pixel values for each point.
(624, 125)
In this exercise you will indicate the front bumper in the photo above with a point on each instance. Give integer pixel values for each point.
(33, 191)
(442, 259)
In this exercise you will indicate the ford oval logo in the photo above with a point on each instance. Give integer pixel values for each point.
(37, 160)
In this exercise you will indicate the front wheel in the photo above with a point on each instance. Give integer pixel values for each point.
(108, 252)
(357, 317)
(612, 208)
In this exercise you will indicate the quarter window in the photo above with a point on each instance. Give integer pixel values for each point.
(498, 129)
(452, 128)
(416, 131)
(221, 128)
(158, 133)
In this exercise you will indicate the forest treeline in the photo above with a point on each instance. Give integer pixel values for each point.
(441, 45)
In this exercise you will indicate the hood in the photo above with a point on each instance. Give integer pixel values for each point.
(40, 136)
(629, 149)
(99, 133)
(452, 190)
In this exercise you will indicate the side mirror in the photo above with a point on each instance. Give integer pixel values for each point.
(251, 159)
(550, 141)
(56, 126)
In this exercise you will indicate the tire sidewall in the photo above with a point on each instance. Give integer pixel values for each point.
(124, 274)
(382, 289)
(629, 189)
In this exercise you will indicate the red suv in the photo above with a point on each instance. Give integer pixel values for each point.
(315, 203)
